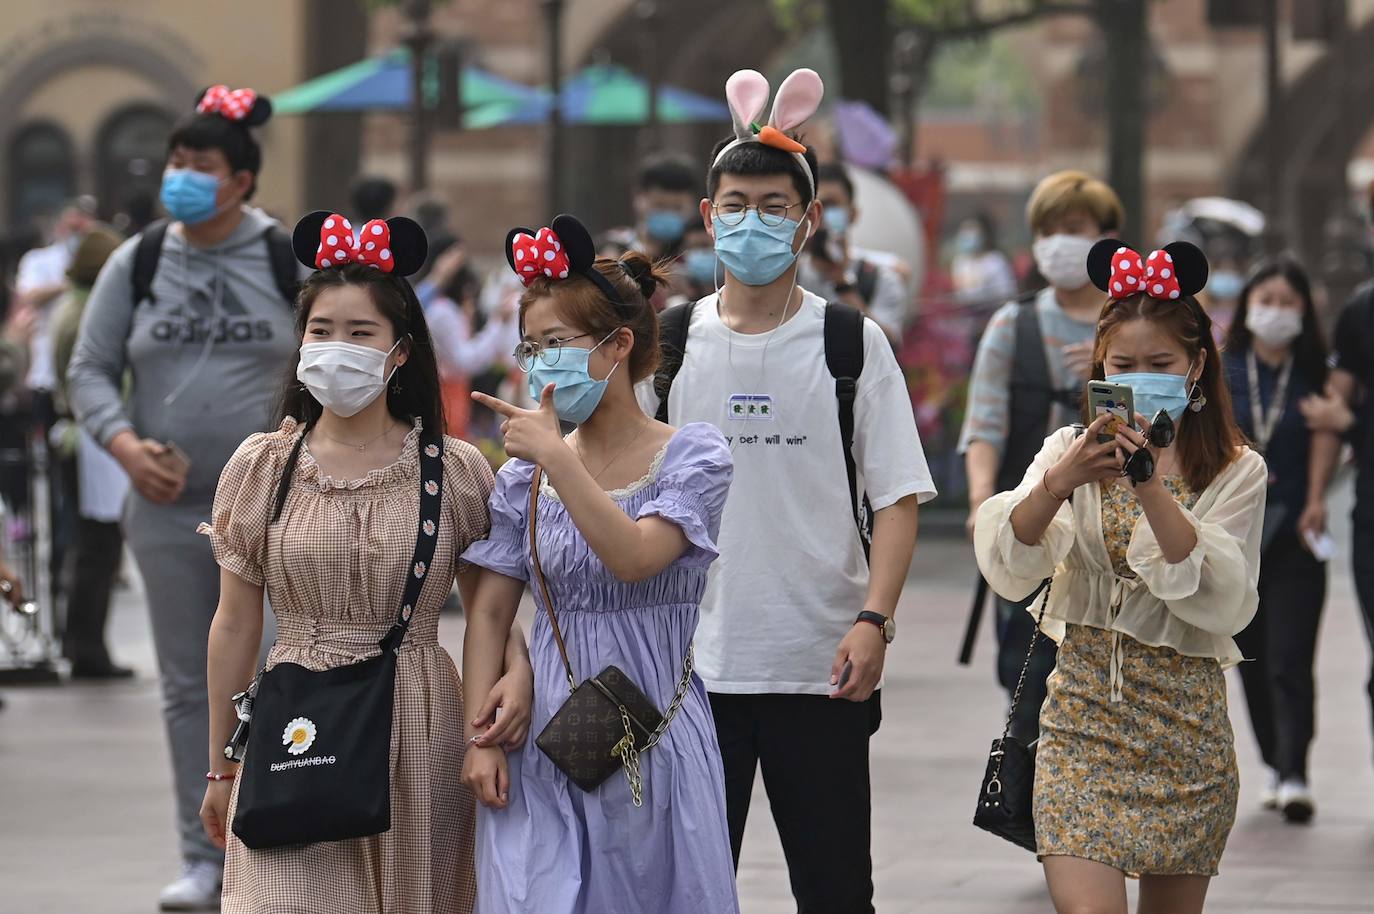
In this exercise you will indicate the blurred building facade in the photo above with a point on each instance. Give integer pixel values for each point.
(89, 88)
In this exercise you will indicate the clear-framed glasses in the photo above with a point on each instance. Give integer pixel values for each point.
(529, 350)
(772, 214)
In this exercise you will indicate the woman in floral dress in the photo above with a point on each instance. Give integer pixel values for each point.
(1136, 768)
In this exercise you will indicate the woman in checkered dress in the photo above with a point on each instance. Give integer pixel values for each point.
(333, 556)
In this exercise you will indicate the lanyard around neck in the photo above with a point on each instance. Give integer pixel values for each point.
(1266, 420)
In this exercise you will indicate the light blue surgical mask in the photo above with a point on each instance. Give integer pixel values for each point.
(836, 220)
(1152, 392)
(665, 225)
(189, 196)
(753, 252)
(576, 393)
(1225, 284)
(700, 266)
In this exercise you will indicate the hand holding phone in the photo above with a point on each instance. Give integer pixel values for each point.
(1321, 545)
(1117, 400)
(175, 459)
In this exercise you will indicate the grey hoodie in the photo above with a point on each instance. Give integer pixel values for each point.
(207, 358)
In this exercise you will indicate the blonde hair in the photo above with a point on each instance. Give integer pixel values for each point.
(1068, 192)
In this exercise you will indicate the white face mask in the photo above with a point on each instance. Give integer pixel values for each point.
(1063, 260)
(1273, 325)
(344, 377)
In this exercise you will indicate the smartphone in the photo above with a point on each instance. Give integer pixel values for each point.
(844, 675)
(176, 459)
(1116, 399)
(1322, 545)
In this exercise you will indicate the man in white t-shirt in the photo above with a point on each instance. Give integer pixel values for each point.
(794, 623)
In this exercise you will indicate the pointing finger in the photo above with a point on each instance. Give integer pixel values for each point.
(495, 405)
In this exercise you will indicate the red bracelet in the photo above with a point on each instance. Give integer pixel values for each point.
(211, 776)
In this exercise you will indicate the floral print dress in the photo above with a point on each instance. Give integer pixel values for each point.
(1146, 783)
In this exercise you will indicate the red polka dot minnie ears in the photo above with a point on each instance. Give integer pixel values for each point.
(242, 106)
(324, 240)
(1178, 270)
(557, 252)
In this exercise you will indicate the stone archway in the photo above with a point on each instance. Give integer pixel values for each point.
(124, 52)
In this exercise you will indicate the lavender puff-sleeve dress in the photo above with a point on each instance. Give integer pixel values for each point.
(556, 849)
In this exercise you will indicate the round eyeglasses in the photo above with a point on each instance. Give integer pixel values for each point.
(529, 350)
(771, 215)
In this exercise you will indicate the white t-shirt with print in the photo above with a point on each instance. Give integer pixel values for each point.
(791, 577)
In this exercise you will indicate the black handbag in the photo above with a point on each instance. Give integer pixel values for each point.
(1004, 800)
(318, 759)
(607, 721)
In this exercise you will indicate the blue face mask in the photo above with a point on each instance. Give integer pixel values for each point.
(189, 196)
(755, 253)
(1225, 284)
(576, 393)
(836, 220)
(700, 266)
(665, 225)
(1153, 392)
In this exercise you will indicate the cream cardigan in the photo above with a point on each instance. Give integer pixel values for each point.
(1194, 606)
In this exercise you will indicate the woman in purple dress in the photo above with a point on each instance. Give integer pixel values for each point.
(627, 517)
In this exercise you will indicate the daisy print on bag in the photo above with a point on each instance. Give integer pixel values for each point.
(299, 736)
(420, 568)
(429, 527)
(432, 451)
(432, 487)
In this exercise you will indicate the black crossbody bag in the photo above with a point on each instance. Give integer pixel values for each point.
(317, 765)
(607, 721)
(1004, 800)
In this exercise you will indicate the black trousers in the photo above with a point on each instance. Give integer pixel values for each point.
(92, 568)
(814, 754)
(1280, 646)
(1015, 627)
(1362, 567)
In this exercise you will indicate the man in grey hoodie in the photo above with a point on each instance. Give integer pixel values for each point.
(205, 339)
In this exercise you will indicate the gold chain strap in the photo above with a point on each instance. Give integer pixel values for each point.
(626, 750)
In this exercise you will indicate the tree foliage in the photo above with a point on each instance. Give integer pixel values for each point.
(946, 18)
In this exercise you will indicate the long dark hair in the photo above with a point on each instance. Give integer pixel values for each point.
(414, 390)
(1208, 439)
(1309, 349)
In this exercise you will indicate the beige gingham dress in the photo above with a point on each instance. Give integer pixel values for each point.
(334, 567)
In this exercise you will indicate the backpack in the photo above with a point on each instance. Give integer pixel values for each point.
(1033, 396)
(279, 253)
(844, 357)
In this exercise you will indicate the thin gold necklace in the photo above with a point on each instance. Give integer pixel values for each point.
(357, 447)
(618, 454)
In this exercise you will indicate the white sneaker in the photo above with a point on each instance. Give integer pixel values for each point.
(198, 889)
(1296, 801)
(1269, 796)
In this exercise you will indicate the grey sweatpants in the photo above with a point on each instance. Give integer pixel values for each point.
(181, 582)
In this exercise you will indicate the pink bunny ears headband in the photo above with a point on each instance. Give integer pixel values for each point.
(324, 240)
(798, 98)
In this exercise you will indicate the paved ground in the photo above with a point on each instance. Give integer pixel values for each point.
(85, 808)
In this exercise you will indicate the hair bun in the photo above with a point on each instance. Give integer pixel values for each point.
(641, 270)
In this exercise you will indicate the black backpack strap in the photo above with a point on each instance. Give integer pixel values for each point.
(866, 279)
(1032, 396)
(146, 256)
(673, 324)
(844, 357)
(431, 502)
(282, 257)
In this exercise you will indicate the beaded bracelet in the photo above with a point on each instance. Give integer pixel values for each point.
(211, 776)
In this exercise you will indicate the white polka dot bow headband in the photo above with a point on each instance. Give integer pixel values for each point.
(1175, 271)
(242, 106)
(324, 240)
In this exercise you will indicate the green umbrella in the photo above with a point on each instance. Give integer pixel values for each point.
(604, 94)
(384, 83)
